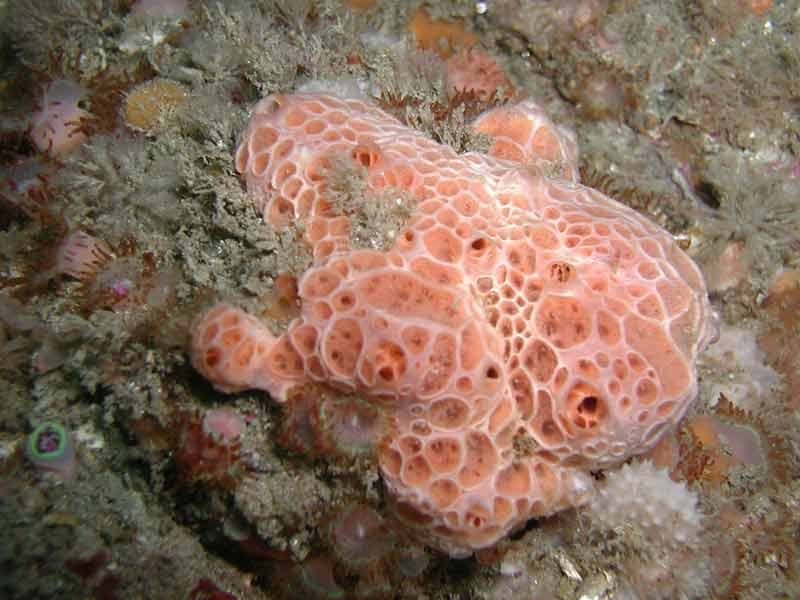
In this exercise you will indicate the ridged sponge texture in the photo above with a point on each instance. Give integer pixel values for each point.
(236, 352)
(521, 329)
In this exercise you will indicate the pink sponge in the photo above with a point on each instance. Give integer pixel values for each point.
(523, 330)
(236, 352)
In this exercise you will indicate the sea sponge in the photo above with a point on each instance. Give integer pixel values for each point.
(643, 500)
(149, 104)
(520, 330)
(738, 369)
(238, 352)
(655, 527)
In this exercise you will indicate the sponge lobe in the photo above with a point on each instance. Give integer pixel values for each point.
(235, 352)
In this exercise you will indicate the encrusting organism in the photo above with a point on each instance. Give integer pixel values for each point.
(654, 529)
(520, 331)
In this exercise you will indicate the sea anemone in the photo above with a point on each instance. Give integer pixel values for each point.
(321, 422)
(313, 578)
(81, 255)
(114, 278)
(50, 449)
(475, 71)
(360, 538)
(206, 458)
(350, 426)
(56, 127)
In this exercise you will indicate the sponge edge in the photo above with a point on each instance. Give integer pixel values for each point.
(525, 134)
(236, 352)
